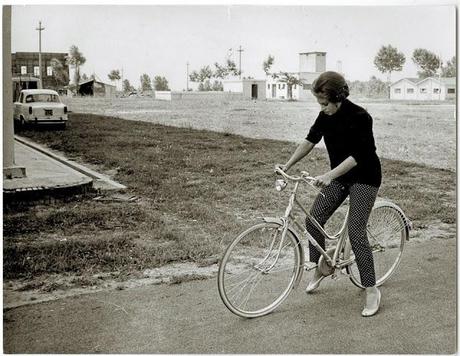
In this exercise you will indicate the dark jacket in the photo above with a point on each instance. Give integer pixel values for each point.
(349, 133)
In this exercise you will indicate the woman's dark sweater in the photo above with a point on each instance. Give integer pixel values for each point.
(347, 133)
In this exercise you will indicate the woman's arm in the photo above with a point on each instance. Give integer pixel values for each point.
(325, 179)
(301, 151)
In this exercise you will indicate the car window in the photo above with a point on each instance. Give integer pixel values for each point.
(44, 98)
(30, 99)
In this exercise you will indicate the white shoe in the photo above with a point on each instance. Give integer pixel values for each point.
(313, 284)
(372, 311)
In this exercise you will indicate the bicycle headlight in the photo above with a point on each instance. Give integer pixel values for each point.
(280, 184)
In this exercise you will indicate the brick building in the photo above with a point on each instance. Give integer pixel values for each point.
(25, 69)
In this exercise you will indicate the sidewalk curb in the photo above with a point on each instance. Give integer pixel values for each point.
(76, 166)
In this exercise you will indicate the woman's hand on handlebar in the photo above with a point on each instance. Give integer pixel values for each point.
(283, 167)
(322, 181)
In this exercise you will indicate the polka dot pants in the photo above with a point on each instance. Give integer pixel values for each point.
(362, 198)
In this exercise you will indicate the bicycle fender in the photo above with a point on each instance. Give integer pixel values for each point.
(407, 222)
(280, 222)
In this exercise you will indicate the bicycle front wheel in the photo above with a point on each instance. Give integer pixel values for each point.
(258, 270)
(386, 231)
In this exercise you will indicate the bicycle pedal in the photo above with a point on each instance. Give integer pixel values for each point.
(310, 266)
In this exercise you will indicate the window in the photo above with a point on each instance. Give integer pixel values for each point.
(23, 69)
(49, 71)
(397, 90)
(423, 90)
(36, 71)
(410, 90)
(436, 90)
(279, 86)
(451, 91)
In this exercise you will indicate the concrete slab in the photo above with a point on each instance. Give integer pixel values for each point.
(100, 181)
(42, 172)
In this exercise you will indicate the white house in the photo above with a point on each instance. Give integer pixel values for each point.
(431, 88)
(250, 88)
(311, 65)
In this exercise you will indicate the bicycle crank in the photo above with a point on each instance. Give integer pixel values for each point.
(324, 266)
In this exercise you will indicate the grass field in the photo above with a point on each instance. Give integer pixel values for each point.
(197, 190)
(409, 131)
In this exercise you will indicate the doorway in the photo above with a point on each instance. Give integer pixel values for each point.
(254, 91)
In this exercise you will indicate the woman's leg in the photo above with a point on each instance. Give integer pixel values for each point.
(322, 209)
(362, 198)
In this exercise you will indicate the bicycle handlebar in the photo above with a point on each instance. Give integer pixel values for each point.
(304, 176)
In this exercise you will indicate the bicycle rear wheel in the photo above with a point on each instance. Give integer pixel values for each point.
(387, 231)
(258, 270)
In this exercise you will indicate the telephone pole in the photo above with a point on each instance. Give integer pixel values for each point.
(187, 74)
(240, 50)
(40, 29)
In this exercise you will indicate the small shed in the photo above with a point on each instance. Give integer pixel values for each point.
(93, 87)
(251, 88)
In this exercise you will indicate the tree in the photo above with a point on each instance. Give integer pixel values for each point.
(267, 64)
(427, 61)
(205, 85)
(160, 83)
(231, 67)
(114, 75)
(388, 60)
(290, 81)
(203, 77)
(200, 76)
(127, 87)
(60, 73)
(84, 76)
(450, 69)
(75, 59)
(146, 83)
(377, 88)
(217, 86)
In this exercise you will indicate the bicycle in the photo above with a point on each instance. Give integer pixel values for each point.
(265, 263)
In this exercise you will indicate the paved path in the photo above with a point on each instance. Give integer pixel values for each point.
(418, 315)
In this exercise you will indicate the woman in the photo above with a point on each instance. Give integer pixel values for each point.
(355, 171)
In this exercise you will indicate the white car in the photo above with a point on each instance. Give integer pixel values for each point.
(40, 106)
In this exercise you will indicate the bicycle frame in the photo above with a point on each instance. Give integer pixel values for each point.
(334, 260)
(340, 236)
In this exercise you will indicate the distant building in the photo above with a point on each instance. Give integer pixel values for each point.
(93, 87)
(26, 71)
(311, 65)
(431, 88)
(251, 88)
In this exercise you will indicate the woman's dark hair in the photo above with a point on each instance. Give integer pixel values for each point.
(332, 85)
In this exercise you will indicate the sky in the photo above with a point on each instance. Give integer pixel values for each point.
(161, 39)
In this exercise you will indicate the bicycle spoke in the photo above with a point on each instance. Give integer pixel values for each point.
(259, 269)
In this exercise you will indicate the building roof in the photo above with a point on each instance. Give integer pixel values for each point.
(417, 81)
(94, 80)
(317, 52)
(39, 91)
